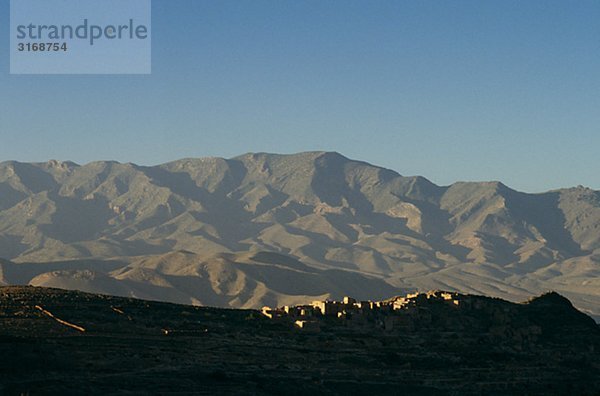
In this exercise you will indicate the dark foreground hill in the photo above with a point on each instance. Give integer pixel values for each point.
(64, 342)
(189, 232)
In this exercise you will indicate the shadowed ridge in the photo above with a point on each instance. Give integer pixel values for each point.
(27, 177)
(558, 318)
(5, 261)
(550, 298)
(279, 259)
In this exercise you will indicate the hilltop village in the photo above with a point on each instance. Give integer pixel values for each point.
(395, 313)
(407, 313)
(420, 344)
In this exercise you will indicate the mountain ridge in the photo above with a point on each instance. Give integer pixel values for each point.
(320, 208)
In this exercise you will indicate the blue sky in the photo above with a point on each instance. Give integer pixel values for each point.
(462, 90)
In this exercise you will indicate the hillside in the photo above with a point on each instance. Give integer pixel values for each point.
(190, 231)
(66, 342)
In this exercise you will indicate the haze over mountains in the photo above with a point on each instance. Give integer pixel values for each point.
(276, 229)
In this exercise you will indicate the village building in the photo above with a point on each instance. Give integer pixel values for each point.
(309, 326)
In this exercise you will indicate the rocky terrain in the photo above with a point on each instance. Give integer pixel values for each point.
(265, 229)
(67, 342)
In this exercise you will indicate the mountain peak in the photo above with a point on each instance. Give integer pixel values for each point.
(301, 156)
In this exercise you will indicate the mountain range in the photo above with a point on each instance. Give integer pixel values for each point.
(268, 229)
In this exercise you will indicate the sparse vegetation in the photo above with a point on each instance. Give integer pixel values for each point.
(262, 356)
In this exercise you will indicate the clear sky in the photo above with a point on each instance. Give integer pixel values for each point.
(451, 90)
